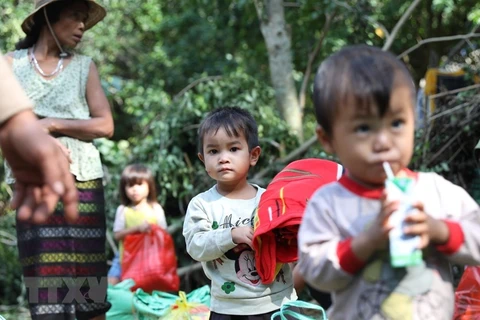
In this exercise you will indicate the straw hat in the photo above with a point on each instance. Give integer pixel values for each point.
(96, 14)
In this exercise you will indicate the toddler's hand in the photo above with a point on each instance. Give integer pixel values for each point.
(243, 235)
(377, 233)
(375, 237)
(240, 247)
(427, 228)
(417, 225)
(144, 227)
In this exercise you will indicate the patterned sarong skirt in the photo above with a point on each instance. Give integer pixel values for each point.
(64, 265)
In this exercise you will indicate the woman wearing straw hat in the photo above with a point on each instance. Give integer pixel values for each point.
(72, 107)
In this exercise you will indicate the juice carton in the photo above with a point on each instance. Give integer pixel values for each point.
(403, 248)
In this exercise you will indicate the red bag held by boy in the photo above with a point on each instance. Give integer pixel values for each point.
(149, 259)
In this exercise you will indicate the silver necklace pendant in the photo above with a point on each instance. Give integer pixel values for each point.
(37, 66)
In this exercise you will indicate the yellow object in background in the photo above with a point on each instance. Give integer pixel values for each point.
(379, 32)
(437, 81)
(184, 310)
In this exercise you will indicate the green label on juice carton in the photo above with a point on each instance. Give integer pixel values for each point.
(403, 248)
(404, 184)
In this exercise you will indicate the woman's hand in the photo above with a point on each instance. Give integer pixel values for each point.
(41, 172)
(64, 149)
(47, 124)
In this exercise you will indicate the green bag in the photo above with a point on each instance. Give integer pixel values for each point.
(121, 298)
(154, 306)
(299, 310)
(158, 304)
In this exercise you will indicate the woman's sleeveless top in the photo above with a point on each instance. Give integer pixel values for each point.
(63, 96)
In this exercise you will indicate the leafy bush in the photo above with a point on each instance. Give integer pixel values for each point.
(446, 144)
(11, 271)
(168, 143)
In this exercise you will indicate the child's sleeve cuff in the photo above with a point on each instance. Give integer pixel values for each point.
(346, 257)
(455, 240)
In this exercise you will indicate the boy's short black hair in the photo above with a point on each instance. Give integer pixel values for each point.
(234, 120)
(359, 74)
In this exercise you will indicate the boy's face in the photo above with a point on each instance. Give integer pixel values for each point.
(363, 140)
(227, 159)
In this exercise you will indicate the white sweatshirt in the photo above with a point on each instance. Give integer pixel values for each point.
(374, 290)
(236, 288)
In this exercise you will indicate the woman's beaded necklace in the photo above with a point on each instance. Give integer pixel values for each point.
(37, 66)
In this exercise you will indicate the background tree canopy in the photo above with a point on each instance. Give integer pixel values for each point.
(165, 64)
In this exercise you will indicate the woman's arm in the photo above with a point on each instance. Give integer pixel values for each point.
(101, 123)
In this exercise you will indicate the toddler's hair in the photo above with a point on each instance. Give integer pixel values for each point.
(234, 120)
(360, 75)
(137, 174)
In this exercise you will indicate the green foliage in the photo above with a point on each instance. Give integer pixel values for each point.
(164, 136)
(447, 145)
(165, 64)
(11, 271)
(12, 14)
(474, 14)
(168, 144)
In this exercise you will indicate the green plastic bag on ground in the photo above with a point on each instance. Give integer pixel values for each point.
(158, 304)
(299, 310)
(121, 298)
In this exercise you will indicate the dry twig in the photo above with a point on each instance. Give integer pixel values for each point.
(399, 24)
(311, 58)
(438, 39)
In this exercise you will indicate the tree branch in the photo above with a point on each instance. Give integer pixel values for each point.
(187, 269)
(446, 93)
(369, 19)
(438, 39)
(311, 58)
(288, 158)
(449, 111)
(177, 96)
(460, 44)
(194, 83)
(7, 238)
(259, 9)
(111, 242)
(399, 24)
(445, 146)
(292, 4)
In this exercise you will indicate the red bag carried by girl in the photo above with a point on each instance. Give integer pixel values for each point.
(149, 259)
(467, 295)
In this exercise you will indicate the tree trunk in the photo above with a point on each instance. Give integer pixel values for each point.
(277, 38)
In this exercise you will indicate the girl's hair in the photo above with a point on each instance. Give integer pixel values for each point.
(234, 120)
(137, 174)
(360, 75)
(54, 10)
